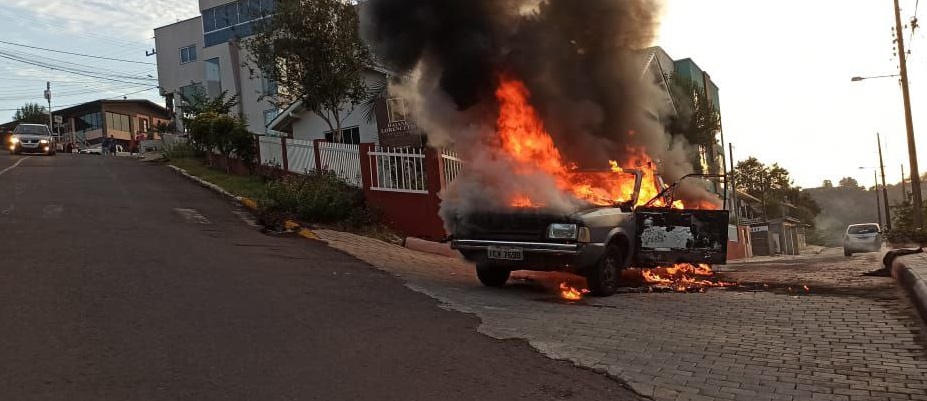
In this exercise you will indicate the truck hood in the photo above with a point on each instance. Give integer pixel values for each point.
(528, 224)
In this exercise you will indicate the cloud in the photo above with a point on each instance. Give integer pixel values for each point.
(121, 21)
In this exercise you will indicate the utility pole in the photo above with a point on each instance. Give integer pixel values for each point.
(904, 189)
(875, 177)
(909, 122)
(888, 215)
(48, 94)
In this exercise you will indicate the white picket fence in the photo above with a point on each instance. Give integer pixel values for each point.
(343, 159)
(300, 156)
(452, 164)
(271, 151)
(398, 170)
(391, 169)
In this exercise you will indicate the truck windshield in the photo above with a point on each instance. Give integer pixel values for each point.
(31, 130)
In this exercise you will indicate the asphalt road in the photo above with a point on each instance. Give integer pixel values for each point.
(122, 281)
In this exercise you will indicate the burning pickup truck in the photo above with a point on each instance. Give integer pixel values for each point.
(595, 241)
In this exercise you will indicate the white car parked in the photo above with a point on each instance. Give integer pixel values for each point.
(862, 238)
(99, 151)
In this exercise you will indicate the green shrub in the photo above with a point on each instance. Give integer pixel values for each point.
(319, 197)
(906, 235)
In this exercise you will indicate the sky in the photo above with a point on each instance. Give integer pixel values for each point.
(115, 29)
(783, 68)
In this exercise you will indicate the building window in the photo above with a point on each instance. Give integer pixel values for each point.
(143, 125)
(269, 116)
(268, 87)
(118, 122)
(209, 20)
(88, 122)
(213, 78)
(188, 54)
(396, 107)
(349, 136)
(235, 13)
(187, 93)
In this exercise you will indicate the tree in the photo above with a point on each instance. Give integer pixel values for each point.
(696, 118)
(828, 184)
(31, 113)
(199, 102)
(849, 182)
(758, 179)
(313, 50)
(225, 134)
(773, 184)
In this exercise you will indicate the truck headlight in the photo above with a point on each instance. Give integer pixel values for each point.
(562, 231)
(43, 141)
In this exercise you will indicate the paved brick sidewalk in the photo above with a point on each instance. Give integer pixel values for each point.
(826, 273)
(723, 344)
(911, 273)
(918, 263)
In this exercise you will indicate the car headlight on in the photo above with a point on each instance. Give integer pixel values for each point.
(14, 140)
(43, 141)
(562, 231)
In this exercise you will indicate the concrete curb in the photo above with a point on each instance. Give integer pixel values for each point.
(248, 203)
(913, 283)
(435, 248)
(203, 182)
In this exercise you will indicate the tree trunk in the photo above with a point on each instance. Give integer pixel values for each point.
(323, 114)
(339, 133)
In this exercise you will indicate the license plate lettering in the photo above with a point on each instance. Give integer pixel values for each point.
(502, 253)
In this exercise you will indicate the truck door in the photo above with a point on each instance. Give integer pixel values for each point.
(669, 236)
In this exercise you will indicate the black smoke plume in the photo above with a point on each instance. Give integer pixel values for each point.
(581, 60)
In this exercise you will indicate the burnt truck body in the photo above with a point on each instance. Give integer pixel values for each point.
(597, 242)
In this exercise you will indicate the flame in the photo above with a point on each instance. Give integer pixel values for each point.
(524, 139)
(571, 294)
(524, 202)
(682, 277)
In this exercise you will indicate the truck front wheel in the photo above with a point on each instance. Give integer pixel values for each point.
(605, 278)
(492, 276)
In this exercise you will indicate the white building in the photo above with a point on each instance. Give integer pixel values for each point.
(387, 124)
(205, 53)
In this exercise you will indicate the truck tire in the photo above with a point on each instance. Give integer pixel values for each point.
(605, 278)
(492, 276)
(847, 253)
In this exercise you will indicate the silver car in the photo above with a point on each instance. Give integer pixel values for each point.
(32, 138)
(862, 238)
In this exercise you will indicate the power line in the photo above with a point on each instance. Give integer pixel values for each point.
(86, 35)
(77, 54)
(64, 106)
(917, 3)
(6, 96)
(72, 66)
(132, 93)
(6, 56)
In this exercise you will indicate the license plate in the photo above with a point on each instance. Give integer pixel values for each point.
(496, 252)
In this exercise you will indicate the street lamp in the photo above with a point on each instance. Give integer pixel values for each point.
(875, 176)
(918, 215)
(857, 79)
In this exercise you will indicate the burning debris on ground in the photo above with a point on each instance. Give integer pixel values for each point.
(684, 278)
